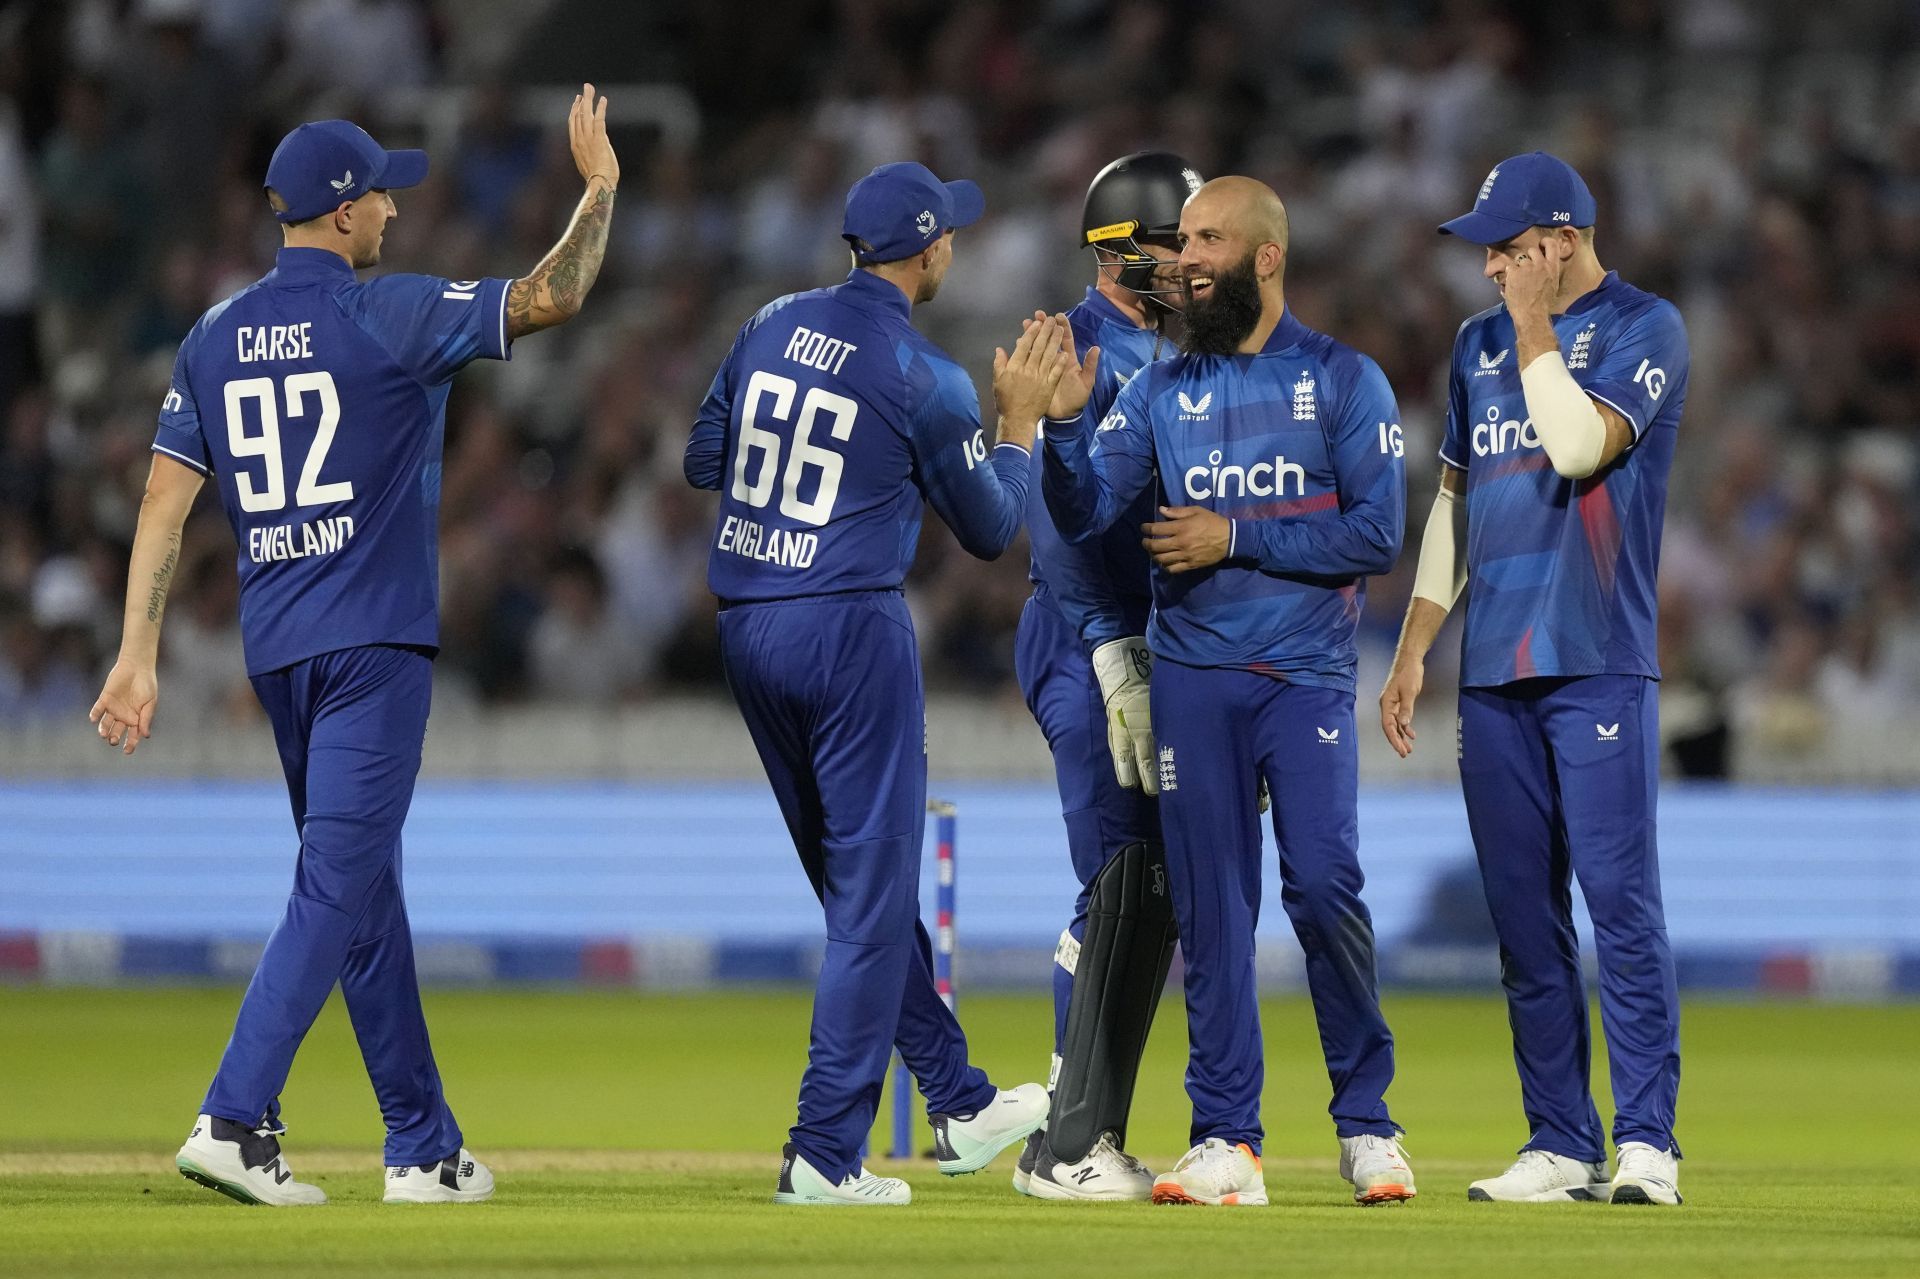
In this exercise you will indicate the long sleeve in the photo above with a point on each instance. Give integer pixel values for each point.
(1364, 536)
(980, 495)
(705, 460)
(1092, 474)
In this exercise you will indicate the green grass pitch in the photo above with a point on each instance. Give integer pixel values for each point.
(638, 1134)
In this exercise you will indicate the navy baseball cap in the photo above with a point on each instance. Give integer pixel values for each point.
(899, 209)
(320, 166)
(1535, 189)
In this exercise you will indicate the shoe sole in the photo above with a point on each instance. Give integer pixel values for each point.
(807, 1201)
(987, 1154)
(1637, 1195)
(1022, 1182)
(1392, 1192)
(444, 1197)
(1571, 1194)
(1175, 1195)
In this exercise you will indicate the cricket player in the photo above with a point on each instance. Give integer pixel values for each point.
(1082, 658)
(829, 423)
(317, 403)
(1564, 403)
(1274, 454)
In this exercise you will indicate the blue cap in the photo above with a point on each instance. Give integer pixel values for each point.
(1535, 189)
(320, 166)
(899, 209)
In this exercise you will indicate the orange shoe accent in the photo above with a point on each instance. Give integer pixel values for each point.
(1171, 1194)
(1229, 1201)
(1389, 1193)
(1249, 1149)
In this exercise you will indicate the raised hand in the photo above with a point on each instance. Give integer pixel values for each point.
(587, 133)
(1024, 382)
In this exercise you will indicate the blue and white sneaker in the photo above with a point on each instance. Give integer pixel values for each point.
(243, 1163)
(461, 1179)
(802, 1184)
(968, 1143)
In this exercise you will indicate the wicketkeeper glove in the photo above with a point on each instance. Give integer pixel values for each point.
(1124, 667)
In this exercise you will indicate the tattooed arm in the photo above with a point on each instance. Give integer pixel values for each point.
(124, 710)
(553, 292)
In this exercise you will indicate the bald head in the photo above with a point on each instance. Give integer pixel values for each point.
(1247, 206)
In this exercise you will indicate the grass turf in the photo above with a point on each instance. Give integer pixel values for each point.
(1798, 1119)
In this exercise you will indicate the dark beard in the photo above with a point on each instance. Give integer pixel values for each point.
(1220, 322)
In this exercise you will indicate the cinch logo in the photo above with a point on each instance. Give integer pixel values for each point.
(1495, 437)
(1114, 421)
(1490, 364)
(1262, 479)
(1195, 410)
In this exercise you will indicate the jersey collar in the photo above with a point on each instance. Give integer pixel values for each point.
(310, 263)
(1102, 305)
(883, 294)
(1286, 335)
(1596, 295)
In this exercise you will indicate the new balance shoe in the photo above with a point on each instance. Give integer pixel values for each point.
(243, 1163)
(1029, 1154)
(1378, 1169)
(801, 1184)
(968, 1143)
(1214, 1173)
(1107, 1173)
(1645, 1174)
(461, 1179)
(1540, 1176)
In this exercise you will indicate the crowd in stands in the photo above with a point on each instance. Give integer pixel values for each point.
(1759, 163)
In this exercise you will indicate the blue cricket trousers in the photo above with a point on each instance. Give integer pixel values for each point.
(1219, 731)
(1561, 777)
(830, 690)
(349, 726)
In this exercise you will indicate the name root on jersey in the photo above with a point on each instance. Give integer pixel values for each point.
(769, 545)
(282, 542)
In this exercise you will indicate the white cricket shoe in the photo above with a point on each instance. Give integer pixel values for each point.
(461, 1179)
(801, 1184)
(1107, 1173)
(1378, 1169)
(1643, 1174)
(1539, 1177)
(968, 1143)
(243, 1163)
(1214, 1173)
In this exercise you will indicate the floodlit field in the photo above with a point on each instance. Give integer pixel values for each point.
(639, 1133)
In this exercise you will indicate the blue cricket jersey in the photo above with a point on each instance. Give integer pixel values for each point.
(1560, 572)
(1300, 446)
(328, 398)
(1100, 585)
(827, 421)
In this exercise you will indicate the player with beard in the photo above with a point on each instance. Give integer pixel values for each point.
(1274, 454)
(1082, 659)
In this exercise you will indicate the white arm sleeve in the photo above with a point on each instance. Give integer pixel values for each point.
(1570, 428)
(1442, 573)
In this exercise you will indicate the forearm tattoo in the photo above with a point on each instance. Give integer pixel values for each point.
(555, 289)
(162, 579)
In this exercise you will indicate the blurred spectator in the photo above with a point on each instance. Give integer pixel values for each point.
(1772, 190)
(580, 651)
